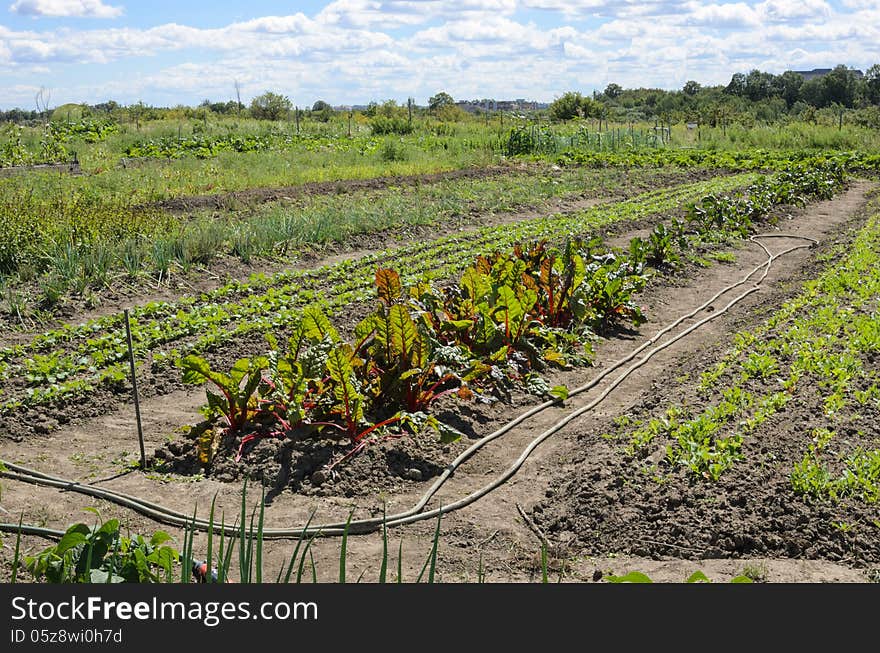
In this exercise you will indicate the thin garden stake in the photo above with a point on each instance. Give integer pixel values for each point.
(134, 390)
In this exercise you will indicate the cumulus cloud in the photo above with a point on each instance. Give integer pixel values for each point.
(728, 16)
(794, 10)
(65, 8)
(352, 51)
(394, 14)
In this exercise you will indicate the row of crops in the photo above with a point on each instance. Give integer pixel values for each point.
(748, 159)
(621, 146)
(52, 144)
(507, 319)
(72, 359)
(493, 327)
(818, 351)
(203, 146)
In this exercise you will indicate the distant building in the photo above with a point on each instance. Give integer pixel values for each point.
(821, 72)
(520, 104)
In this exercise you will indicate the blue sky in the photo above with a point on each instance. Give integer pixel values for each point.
(355, 51)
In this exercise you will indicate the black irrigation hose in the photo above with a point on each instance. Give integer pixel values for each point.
(414, 514)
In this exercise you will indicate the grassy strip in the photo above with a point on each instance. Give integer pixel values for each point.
(744, 159)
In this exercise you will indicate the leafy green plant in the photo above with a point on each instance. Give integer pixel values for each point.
(101, 554)
(237, 398)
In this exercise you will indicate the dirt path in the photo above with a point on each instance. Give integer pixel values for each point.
(491, 533)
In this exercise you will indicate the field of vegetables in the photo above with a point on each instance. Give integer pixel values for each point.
(348, 346)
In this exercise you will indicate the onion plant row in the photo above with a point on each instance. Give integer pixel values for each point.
(81, 243)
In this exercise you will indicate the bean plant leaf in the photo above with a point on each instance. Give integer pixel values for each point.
(698, 577)
(631, 577)
(560, 392)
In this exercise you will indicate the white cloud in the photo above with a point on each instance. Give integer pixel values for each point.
(65, 8)
(793, 10)
(393, 14)
(726, 16)
(353, 51)
(862, 4)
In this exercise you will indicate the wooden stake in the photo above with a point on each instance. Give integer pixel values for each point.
(134, 390)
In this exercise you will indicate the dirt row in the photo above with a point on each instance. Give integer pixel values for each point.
(575, 493)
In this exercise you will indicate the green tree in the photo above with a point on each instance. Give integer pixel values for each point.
(322, 111)
(840, 86)
(759, 85)
(872, 83)
(737, 85)
(270, 106)
(436, 102)
(813, 92)
(613, 91)
(572, 105)
(691, 88)
(788, 86)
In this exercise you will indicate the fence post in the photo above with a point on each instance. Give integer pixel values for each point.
(134, 390)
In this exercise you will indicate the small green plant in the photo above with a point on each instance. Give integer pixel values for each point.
(101, 554)
(723, 257)
(760, 366)
(695, 578)
(755, 572)
(392, 151)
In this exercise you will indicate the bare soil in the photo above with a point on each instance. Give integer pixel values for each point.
(593, 507)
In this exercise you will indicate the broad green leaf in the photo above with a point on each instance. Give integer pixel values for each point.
(111, 526)
(560, 392)
(698, 577)
(475, 284)
(346, 392)
(160, 537)
(509, 310)
(317, 326)
(403, 332)
(69, 540)
(631, 577)
(196, 370)
(97, 576)
(447, 433)
(553, 356)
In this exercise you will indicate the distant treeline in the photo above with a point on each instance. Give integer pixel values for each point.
(757, 96)
(748, 97)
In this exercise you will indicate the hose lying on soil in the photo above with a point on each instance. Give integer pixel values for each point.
(415, 513)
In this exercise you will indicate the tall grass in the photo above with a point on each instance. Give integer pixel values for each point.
(793, 136)
(83, 242)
